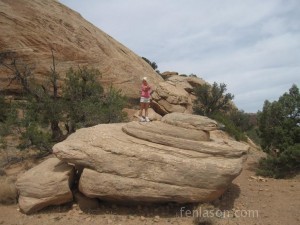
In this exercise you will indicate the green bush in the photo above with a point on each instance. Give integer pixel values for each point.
(35, 136)
(3, 109)
(279, 127)
(253, 135)
(230, 127)
(152, 64)
(113, 104)
(211, 99)
(87, 103)
(8, 117)
(282, 165)
(83, 102)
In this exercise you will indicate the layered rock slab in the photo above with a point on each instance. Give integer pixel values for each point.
(46, 184)
(117, 188)
(175, 94)
(152, 162)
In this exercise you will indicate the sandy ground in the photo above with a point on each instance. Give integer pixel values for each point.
(249, 200)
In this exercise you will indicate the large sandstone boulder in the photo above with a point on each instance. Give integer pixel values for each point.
(32, 28)
(154, 162)
(46, 184)
(175, 94)
(153, 116)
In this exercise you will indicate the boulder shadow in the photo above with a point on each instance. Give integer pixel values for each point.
(147, 210)
(54, 209)
(226, 201)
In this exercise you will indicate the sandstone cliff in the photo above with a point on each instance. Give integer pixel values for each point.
(32, 28)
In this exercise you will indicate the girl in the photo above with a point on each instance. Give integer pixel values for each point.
(145, 100)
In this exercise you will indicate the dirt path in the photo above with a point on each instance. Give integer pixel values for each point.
(249, 200)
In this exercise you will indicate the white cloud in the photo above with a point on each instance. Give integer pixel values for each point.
(251, 45)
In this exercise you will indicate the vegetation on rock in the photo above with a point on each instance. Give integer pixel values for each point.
(45, 113)
(212, 99)
(152, 64)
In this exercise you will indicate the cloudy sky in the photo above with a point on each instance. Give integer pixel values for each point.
(252, 46)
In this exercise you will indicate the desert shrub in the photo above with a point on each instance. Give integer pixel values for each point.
(83, 102)
(253, 134)
(86, 101)
(201, 218)
(229, 126)
(36, 136)
(279, 127)
(152, 64)
(211, 99)
(113, 103)
(192, 75)
(3, 109)
(244, 121)
(286, 163)
(8, 122)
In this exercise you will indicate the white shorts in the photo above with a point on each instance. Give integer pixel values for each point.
(145, 100)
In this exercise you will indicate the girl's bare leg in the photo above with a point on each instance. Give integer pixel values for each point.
(146, 109)
(143, 106)
(141, 109)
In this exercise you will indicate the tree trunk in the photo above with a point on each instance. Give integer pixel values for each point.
(57, 134)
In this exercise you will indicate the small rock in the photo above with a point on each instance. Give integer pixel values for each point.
(156, 218)
(142, 218)
(56, 218)
(88, 219)
(131, 217)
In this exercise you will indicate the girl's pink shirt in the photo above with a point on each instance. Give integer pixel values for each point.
(146, 89)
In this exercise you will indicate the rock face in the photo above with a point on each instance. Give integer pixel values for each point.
(175, 94)
(33, 28)
(46, 184)
(168, 74)
(169, 160)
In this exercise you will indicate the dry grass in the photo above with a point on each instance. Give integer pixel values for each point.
(8, 191)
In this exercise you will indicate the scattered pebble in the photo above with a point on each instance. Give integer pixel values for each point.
(88, 219)
(142, 218)
(131, 217)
